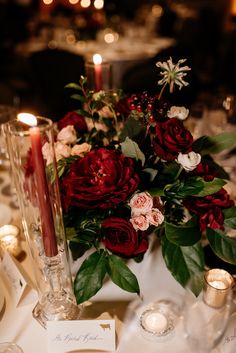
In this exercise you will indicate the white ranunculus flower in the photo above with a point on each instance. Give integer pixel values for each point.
(178, 112)
(189, 161)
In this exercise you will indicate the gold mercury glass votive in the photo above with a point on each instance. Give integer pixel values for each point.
(217, 285)
(9, 239)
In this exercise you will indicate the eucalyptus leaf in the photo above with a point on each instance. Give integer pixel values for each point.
(222, 245)
(131, 149)
(230, 217)
(183, 262)
(89, 279)
(121, 275)
(183, 235)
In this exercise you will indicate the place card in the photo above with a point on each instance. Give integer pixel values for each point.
(74, 335)
(14, 277)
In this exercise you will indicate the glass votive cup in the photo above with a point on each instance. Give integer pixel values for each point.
(158, 320)
(10, 347)
(217, 286)
(9, 239)
(98, 75)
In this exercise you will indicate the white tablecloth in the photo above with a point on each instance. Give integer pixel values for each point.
(18, 325)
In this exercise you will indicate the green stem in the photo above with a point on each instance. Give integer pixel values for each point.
(179, 172)
(162, 90)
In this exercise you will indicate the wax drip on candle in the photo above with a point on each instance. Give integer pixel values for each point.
(47, 223)
(97, 60)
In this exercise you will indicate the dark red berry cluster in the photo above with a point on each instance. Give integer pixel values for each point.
(150, 106)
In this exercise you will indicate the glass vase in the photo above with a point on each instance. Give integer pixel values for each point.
(37, 189)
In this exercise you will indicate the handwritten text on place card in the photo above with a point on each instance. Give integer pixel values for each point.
(68, 336)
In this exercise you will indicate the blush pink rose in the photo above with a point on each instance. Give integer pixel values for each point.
(47, 153)
(141, 203)
(140, 222)
(67, 135)
(80, 150)
(61, 150)
(155, 217)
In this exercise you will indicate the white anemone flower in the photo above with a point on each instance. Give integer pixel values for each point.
(173, 73)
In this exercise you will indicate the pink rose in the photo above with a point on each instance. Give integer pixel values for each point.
(61, 150)
(140, 222)
(155, 217)
(141, 203)
(80, 150)
(47, 153)
(67, 135)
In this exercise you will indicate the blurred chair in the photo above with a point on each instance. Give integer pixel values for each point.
(52, 69)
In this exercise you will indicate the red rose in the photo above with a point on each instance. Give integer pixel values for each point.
(214, 219)
(102, 179)
(72, 118)
(208, 208)
(204, 171)
(121, 238)
(172, 138)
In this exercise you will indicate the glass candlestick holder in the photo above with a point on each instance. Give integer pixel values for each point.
(37, 189)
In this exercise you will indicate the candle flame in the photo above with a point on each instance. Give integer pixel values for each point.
(27, 118)
(97, 59)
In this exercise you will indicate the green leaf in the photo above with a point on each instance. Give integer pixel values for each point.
(194, 186)
(222, 245)
(89, 279)
(180, 189)
(152, 172)
(230, 217)
(131, 149)
(78, 249)
(121, 275)
(211, 187)
(214, 144)
(183, 261)
(156, 192)
(183, 235)
(78, 97)
(132, 128)
(73, 85)
(83, 113)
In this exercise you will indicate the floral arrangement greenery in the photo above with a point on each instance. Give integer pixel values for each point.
(128, 168)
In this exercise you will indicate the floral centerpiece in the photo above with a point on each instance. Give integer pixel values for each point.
(128, 168)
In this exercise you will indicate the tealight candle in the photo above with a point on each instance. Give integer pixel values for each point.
(154, 321)
(217, 285)
(9, 239)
